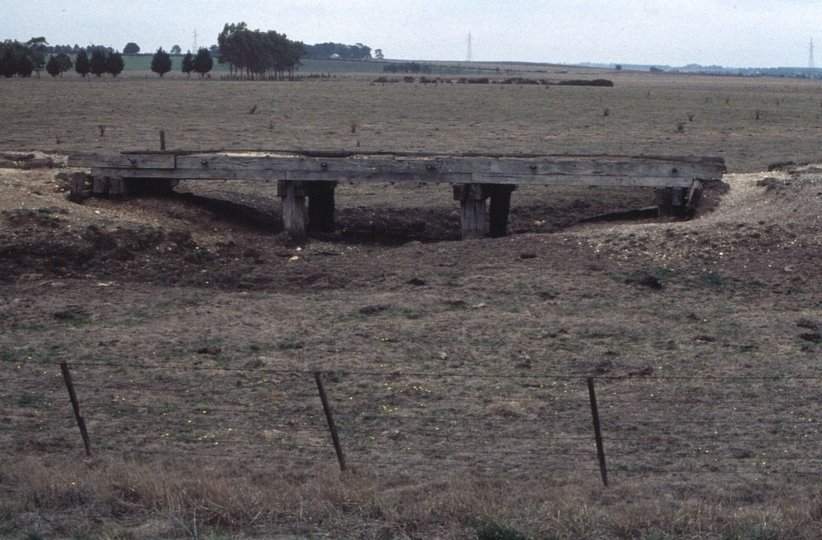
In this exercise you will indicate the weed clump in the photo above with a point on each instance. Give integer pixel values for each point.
(499, 532)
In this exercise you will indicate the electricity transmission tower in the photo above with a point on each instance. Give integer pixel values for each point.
(195, 41)
(810, 55)
(470, 52)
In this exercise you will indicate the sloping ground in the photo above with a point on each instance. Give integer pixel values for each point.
(206, 280)
(765, 229)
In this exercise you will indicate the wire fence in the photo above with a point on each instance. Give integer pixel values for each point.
(420, 422)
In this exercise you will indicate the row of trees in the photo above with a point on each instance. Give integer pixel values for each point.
(258, 54)
(131, 48)
(253, 53)
(201, 63)
(75, 49)
(22, 59)
(102, 61)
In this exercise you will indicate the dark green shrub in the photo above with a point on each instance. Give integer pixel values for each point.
(161, 62)
(81, 64)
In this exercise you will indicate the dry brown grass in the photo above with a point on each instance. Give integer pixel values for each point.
(178, 499)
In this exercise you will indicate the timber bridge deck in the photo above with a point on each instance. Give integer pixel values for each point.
(305, 176)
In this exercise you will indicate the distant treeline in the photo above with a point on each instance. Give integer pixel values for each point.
(345, 52)
(248, 53)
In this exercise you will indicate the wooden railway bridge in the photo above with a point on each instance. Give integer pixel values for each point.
(306, 176)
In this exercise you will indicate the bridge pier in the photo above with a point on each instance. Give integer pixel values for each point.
(473, 213)
(475, 217)
(321, 206)
(499, 208)
(294, 214)
(319, 213)
(671, 201)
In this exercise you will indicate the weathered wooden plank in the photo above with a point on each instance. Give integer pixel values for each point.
(177, 174)
(582, 166)
(305, 168)
(307, 164)
(445, 178)
(581, 180)
(302, 176)
(81, 160)
(123, 161)
(278, 152)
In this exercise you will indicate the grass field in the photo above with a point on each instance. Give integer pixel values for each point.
(316, 65)
(646, 114)
(456, 370)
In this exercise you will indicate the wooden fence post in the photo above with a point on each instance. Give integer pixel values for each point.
(318, 376)
(76, 406)
(597, 431)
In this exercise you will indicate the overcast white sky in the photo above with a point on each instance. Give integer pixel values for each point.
(732, 33)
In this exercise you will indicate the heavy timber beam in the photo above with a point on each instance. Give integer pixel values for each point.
(293, 196)
(628, 171)
(473, 214)
(320, 206)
